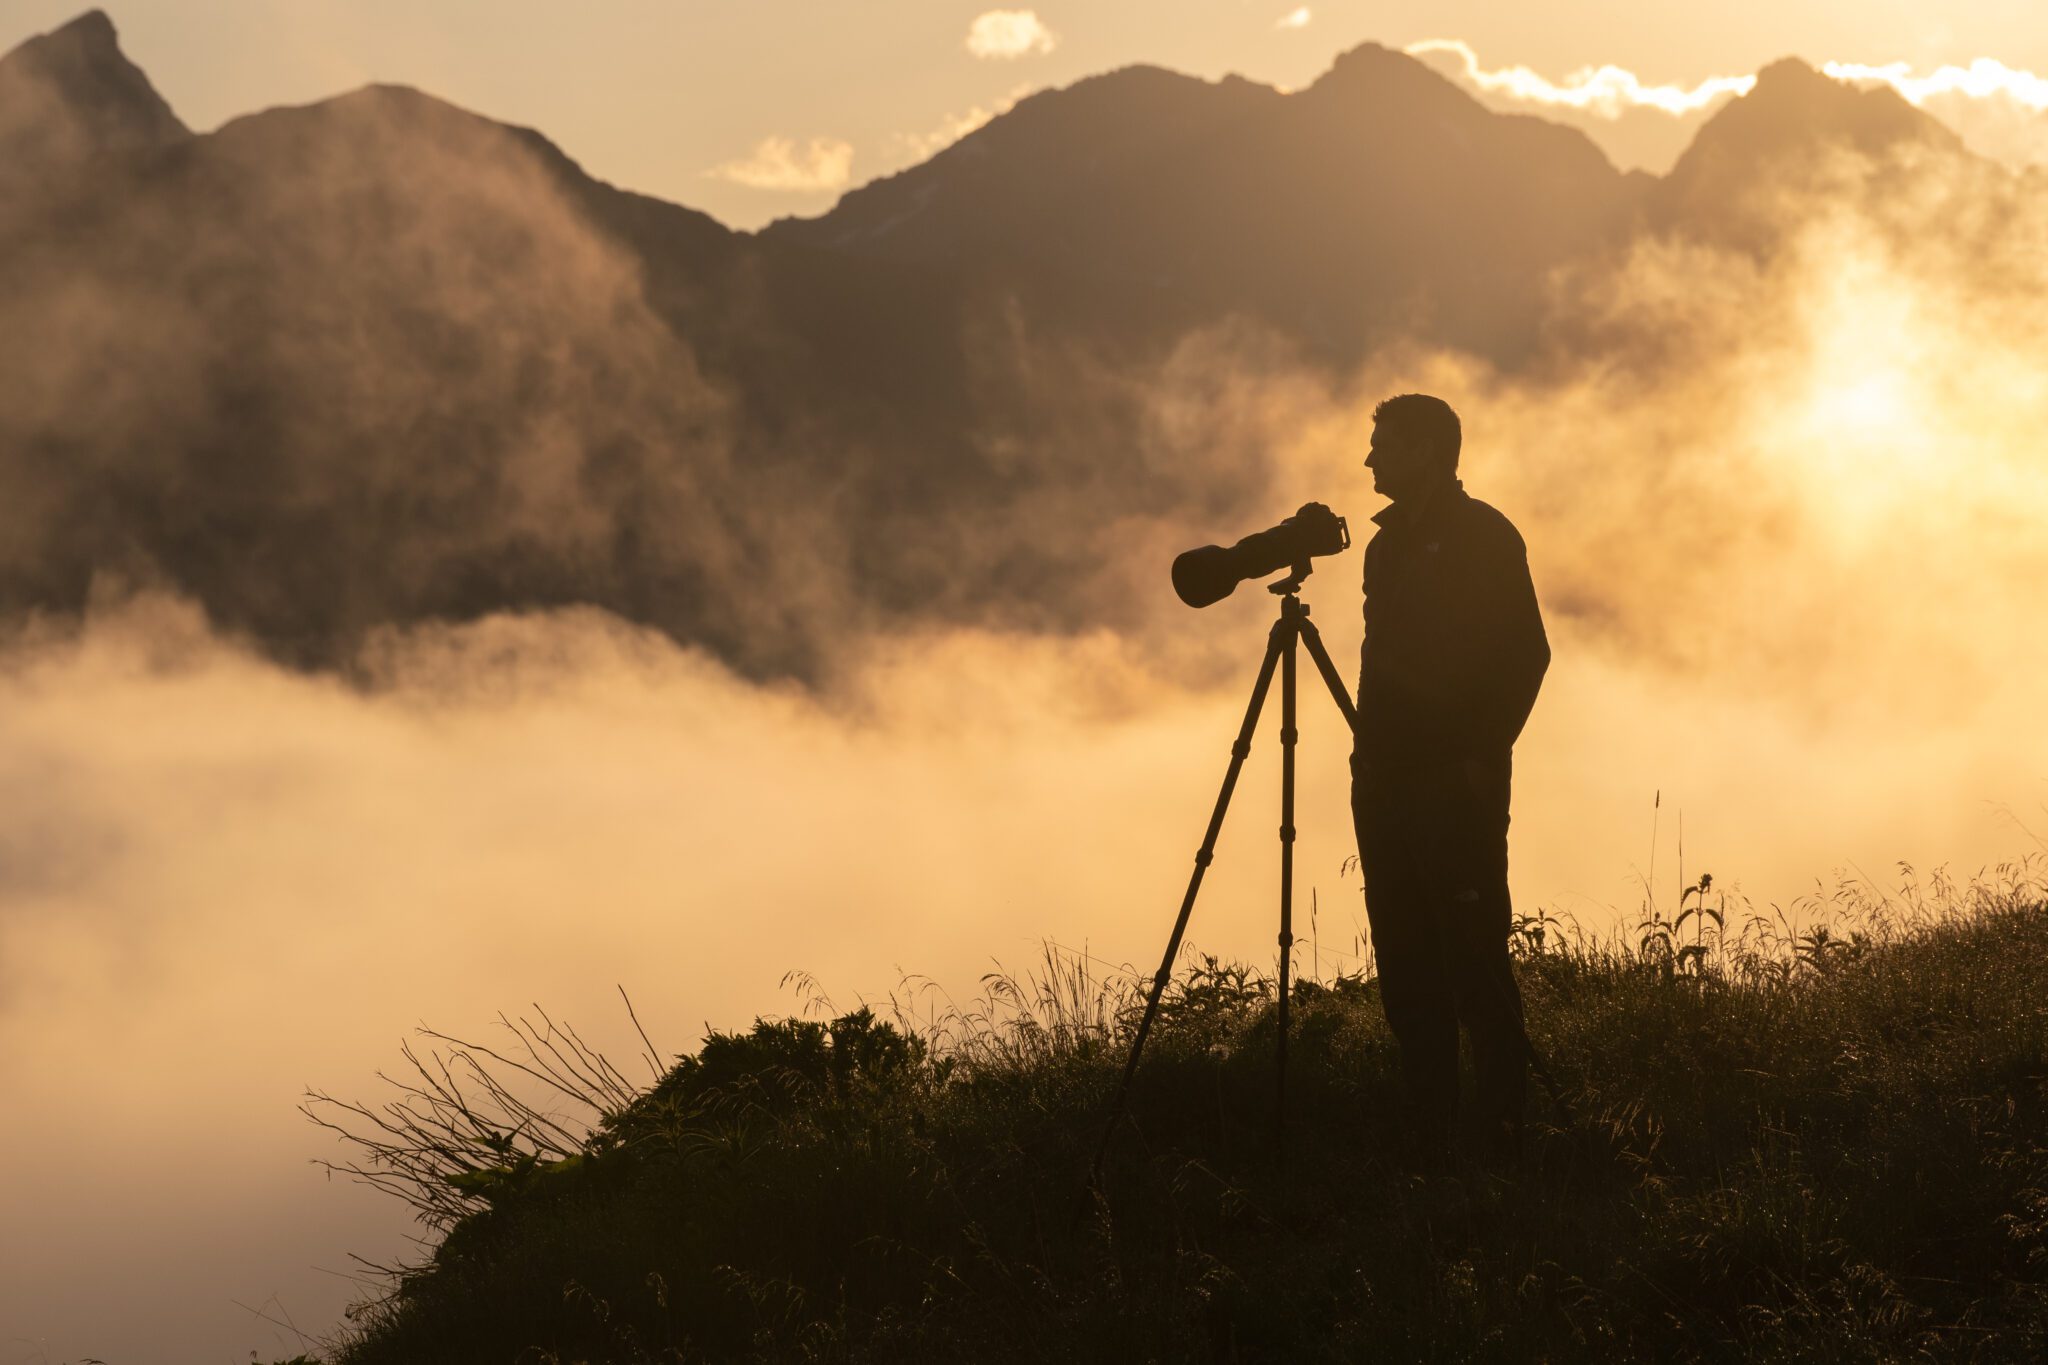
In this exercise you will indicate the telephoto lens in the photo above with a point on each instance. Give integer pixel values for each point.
(1206, 575)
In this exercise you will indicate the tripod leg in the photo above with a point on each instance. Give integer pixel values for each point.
(1203, 857)
(1287, 738)
(1321, 655)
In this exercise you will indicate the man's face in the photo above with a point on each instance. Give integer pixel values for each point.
(1400, 464)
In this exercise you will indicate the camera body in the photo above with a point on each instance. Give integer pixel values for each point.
(1208, 574)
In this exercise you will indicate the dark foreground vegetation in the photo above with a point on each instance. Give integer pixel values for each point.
(1790, 1143)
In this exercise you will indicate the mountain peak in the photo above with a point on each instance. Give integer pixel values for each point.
(1100, 130)
(1787, 132)
(71, 93)
(386, 116)
(91, 31)
(1383, 71)
(1788, 72)
(1793, 106)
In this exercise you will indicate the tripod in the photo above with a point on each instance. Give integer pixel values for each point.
(1292, 628)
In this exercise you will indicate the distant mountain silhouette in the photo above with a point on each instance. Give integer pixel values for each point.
(71, 94)
(379, 361)
(1381, 202)
(70, 102)
(1797, 130)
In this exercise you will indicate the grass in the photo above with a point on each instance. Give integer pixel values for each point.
(1819, 1134)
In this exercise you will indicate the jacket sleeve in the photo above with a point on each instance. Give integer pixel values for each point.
(1359, 719)
(1516, 648)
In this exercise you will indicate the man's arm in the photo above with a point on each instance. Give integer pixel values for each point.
(1516, 647)
(1358, 719)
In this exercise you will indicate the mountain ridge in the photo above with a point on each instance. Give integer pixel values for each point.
(87, 52)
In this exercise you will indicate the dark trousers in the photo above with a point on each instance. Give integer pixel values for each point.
(1433, 842)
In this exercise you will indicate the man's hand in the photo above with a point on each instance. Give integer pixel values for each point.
(1322, 530)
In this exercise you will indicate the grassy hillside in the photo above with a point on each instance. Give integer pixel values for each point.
(1788, 1144)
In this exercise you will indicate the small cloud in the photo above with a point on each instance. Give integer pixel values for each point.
(1006, 34)
(778, 163)
(1297, 19)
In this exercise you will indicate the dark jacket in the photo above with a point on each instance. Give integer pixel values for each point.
(1454, 646)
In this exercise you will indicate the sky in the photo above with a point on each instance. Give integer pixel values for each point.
(752, 111)
(209, 860)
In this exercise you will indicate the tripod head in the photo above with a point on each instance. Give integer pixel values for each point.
(1290, 585)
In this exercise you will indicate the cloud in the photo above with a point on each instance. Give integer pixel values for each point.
(1999, 111)
(1295, 18)
(1007, 34)
(1984, 78)
(779, 163)
(1603, 90)
(1608, 90)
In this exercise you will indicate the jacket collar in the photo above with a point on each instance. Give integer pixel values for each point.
(1439, 500)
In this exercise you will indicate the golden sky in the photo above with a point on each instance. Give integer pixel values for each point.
(755, 110)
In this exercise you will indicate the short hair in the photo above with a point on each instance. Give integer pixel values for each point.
(1425, 417)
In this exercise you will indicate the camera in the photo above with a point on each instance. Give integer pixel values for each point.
(1207, 575)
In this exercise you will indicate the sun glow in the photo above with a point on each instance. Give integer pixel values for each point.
(1871, 407)
(1860, 425)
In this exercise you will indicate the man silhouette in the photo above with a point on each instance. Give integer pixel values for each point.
(1454, 654)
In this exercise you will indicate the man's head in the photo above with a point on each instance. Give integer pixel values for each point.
(1415, 441)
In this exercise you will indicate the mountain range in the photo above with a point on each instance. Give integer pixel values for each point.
(375, 362)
